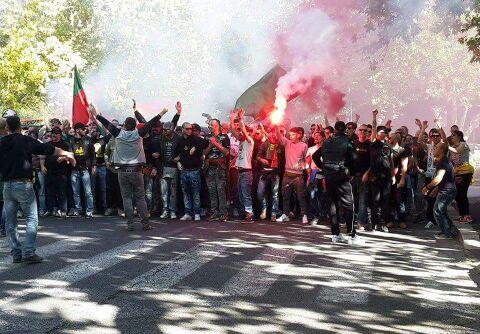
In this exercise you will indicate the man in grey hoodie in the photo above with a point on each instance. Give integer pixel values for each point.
(129, 157)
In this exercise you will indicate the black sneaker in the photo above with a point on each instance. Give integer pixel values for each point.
(17, 259)
(33, 259)
(146, 227)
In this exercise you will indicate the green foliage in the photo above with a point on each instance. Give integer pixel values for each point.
(39, 42)
(471, 29)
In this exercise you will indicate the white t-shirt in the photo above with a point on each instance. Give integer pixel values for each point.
(431, 169)
(245, 152)
(310, 152)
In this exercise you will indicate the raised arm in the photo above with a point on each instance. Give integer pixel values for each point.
(241, 112)
(176, 117)
(235, 133)
(423, 127)
(148, 126)
(99, 118)
(374, 125)
(327, 124)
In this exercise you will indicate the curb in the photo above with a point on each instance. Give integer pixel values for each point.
(468, 237)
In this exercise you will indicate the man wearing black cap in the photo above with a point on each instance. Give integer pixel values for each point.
(84, 151)
(337, 156)
(16, 151)
(56, 174)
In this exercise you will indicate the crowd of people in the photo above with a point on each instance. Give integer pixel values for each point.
(364, 175)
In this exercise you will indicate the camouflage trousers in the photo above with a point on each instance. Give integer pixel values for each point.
(217, 187)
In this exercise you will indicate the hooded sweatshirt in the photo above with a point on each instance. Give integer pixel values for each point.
(128, 150)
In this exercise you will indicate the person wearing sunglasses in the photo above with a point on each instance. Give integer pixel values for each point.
(188, 156)
(434, 139)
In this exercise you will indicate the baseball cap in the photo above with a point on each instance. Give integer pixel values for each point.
(79, 125)
(168, 126)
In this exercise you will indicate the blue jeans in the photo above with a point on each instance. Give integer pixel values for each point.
(20, 194)
(82, 176)
(360, 191)
(245, 180)
(148, 182)
(101, 178)
(2, 217)
(191, 182)
(272, 181)
(440, 211)
(314, 191)
(42, 203)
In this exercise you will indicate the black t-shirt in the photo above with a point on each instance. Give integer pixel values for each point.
(448, 182)
(362, 157)
(380, 159)
(169, 153)
(99, 145)
(183, 148)
(215, 152)
(54, 167)
(16, 156)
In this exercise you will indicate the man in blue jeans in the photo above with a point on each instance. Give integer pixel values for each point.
(82, 148)
(188, 155)
(244, 163)
(443, 187)
(16, 169)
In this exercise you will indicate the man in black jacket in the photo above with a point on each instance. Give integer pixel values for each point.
(16, 151)
(337, 155)
(56, 174)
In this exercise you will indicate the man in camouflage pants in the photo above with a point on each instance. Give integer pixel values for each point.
(217, 161)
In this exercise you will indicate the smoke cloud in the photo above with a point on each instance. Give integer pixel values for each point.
(341, 57)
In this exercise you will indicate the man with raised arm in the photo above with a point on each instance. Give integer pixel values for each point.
(129, 156)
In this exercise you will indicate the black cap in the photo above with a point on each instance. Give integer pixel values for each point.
(79, 125)
(56, 130)
(340, 126)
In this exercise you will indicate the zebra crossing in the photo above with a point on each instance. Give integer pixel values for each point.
(245, 271)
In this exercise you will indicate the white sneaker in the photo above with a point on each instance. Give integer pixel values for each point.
(283, 218)
(173, 215)
(305, 219)
(314, 222)
(356, 240)
(430, 224)
(338, 238)
(197, 217)
(186, 217)
(164, 215)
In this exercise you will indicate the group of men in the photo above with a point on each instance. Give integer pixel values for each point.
(360, 175)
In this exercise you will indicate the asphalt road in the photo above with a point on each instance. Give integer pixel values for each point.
(236, 278)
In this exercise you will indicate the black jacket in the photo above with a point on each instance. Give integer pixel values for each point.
(336, 156)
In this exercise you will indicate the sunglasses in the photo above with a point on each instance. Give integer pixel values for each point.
(350, 128)
(188, 129)
(364, 130)
(434, 136)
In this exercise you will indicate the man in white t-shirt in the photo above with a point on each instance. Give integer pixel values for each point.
(434, 140)
(244, 163)
(295, 152)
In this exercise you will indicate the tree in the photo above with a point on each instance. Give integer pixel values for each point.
(40, 41)
(471, 29)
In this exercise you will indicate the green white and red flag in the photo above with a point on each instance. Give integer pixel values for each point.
(80, 103)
